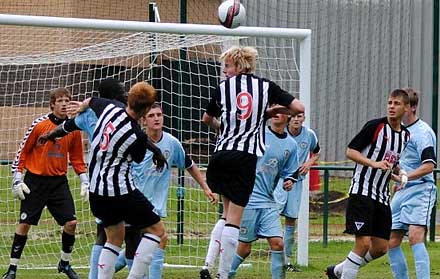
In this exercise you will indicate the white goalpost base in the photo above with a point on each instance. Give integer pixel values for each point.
(182, 61)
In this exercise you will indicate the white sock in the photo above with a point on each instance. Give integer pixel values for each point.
(214, 243)
(367, 258)
(229, 243)
(107, 261)
(352, 265)
(339, 267)
(143, 256)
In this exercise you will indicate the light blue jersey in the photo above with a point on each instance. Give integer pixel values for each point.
(421, 149)
(289, 202)
(279, 161)
(86, 121)
(153, 184)
(413, 204)
(307, 142)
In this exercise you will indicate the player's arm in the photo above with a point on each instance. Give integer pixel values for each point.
(60, 131)
(428, 160)
(314, 157)
(359, 158)
(213, 111)
(194, 171)
(78, 164)
(284, 100)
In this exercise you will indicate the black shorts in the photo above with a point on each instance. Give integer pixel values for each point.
(367, 217)
(232, 174)
(50, 191)
(132, 208)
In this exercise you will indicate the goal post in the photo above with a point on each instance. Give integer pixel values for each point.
(38, 54)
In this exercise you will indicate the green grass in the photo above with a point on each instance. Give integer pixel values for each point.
(42, 251)
(319, 258)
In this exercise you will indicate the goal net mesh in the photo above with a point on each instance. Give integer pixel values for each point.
(183, 68)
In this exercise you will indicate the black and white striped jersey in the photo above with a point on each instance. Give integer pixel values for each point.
(241, 102)
(117, 141)
(376, 141)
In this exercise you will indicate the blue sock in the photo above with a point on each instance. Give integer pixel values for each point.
(129, 263)
(120, 263)
(276, 264)
(421, 260)
(398, 264)
(236, 261)
(94, 259)
(156, 266)
(289, 238)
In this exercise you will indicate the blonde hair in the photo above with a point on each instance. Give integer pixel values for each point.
(57, 93)
(244, 58)
(141, 96)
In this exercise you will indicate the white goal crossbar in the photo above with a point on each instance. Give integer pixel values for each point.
(302, 35)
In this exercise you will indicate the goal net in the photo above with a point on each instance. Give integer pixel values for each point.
(183, 67)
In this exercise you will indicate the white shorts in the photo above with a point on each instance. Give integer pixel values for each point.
(289, 202)
(259, 223)
(413, 206)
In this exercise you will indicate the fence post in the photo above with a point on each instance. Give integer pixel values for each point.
(433, 214)
(325, 209)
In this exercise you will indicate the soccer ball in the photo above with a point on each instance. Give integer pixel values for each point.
(231, 13)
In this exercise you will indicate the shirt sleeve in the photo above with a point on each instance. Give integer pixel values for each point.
(426, 149)
(27, 145)
(278, 95)
(366, 135)
(139, 148)
(76, 153)
(70, 125)
(98, 105)
(180, 158)
(214, 107)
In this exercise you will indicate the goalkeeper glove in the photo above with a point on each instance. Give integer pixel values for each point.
(84, 186)
(19, 188)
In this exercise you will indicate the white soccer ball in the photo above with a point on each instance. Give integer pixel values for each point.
(231, 13)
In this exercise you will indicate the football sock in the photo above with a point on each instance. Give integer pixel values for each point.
(107, 260)
(289, 239)
(236, 261)
(144, 255)
(156, 266)
(276, 264)
(94, 259)
(214, 243)
(229, 243)
(398, 264)
(421, 260)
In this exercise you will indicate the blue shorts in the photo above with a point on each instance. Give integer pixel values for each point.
(413, 206)
(259, 223)
(289, 202)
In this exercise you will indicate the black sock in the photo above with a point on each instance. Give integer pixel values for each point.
(18, 246)
(67, 241)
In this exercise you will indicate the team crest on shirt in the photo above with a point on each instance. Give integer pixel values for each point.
(286, 154)
(166, 154)
(303, 145)
(23, 216)
(243, 230)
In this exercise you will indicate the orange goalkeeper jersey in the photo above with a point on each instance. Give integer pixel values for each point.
(51, 158)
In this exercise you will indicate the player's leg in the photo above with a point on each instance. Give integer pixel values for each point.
(145, 250)
(110, 251)
(60, 204)
(277, 257)
(140, 214)
(18, 244)
(420, 253)
(30, 213)
(397, 259)
(214, 244)
(229, 238)
(291, 211)
(156, 266)
(126, 256)
(398, 263)
(96, 250)
(243, 251)
(248, 234)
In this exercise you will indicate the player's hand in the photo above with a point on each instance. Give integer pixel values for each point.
(73, 108)
(213, 197)
(304, 169)
(85, 191)
(159, 160)
(85, 185)
(383, 165)
(287, 185)
(401, 180)
(19, 188)
(44, 138)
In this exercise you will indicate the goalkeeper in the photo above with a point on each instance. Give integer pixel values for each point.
(412, 203)
(45, 183)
